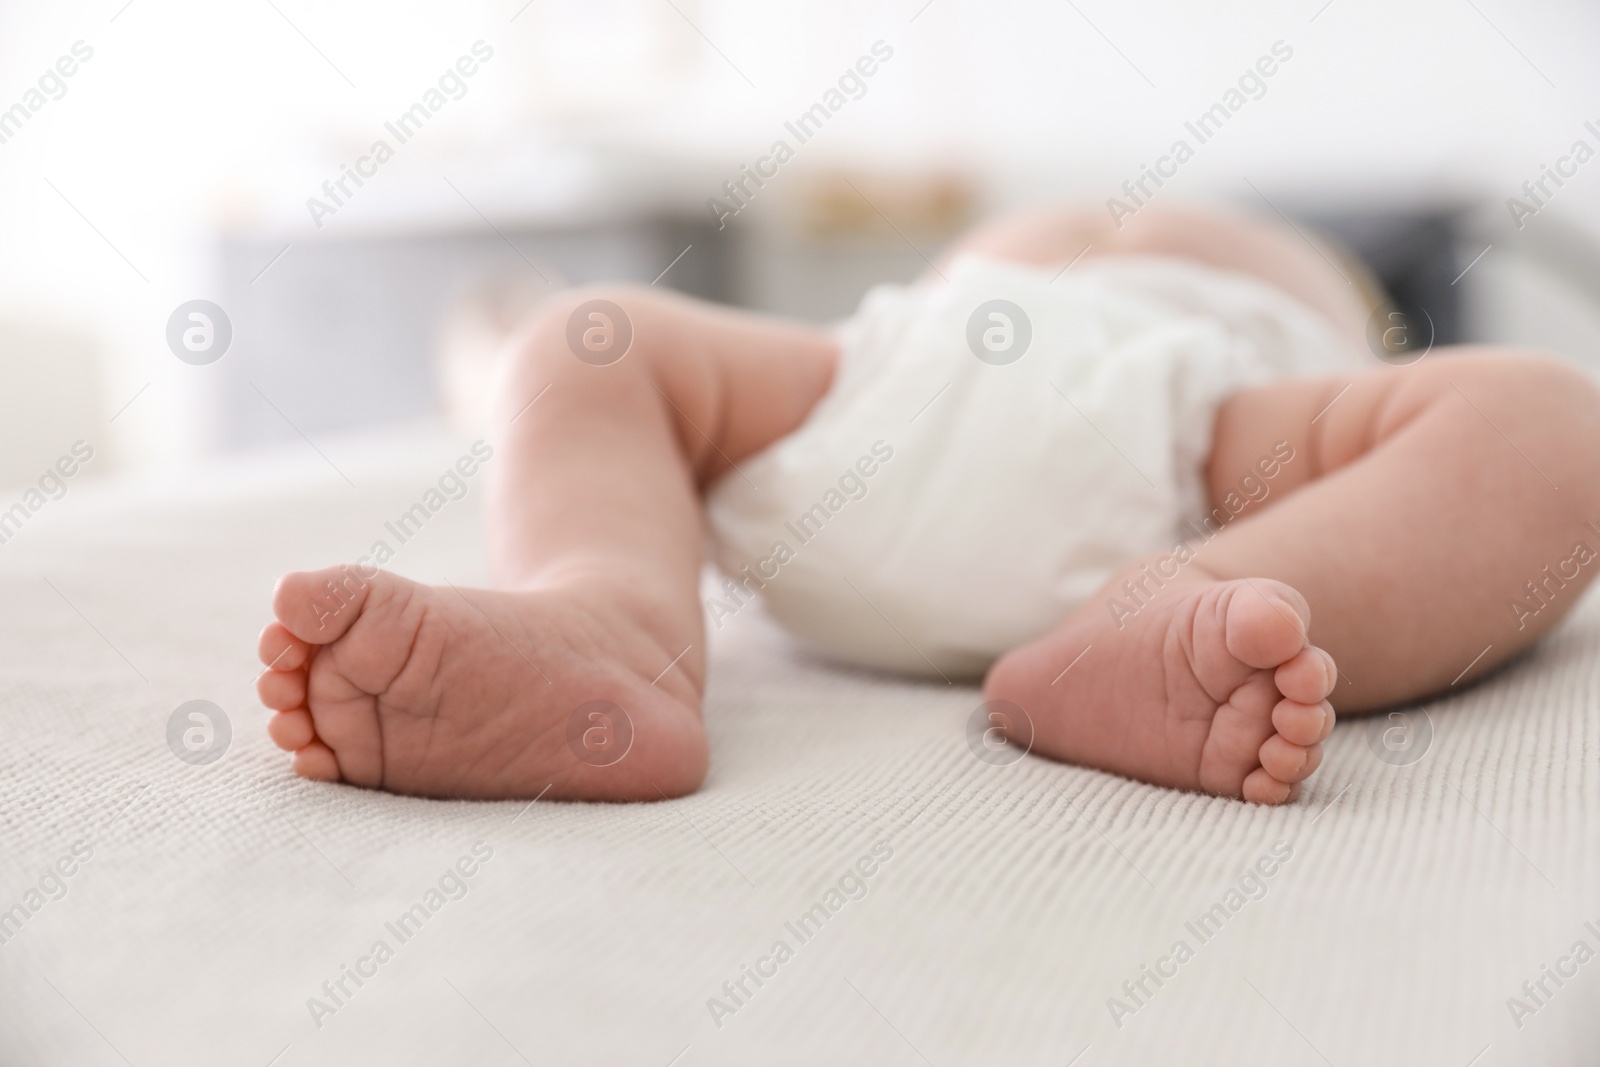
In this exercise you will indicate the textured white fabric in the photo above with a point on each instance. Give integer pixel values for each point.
(995, 445)
(1016, 901)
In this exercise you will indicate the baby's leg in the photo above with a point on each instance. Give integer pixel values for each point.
(596, 545)
(1439, 512)
(1402, 537)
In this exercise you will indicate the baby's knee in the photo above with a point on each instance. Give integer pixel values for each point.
(592, 325)
(577, 333)
(1546, 406)
(1533, 385)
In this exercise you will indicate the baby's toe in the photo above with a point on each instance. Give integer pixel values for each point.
(1262, 788)
(1307, 677)
(1266, 623)
(1303, 724)
(317, 762)
(318, 607)
(1288, 762)
(281, 650)
(291, 730)
(282, 690)
(1238, 729)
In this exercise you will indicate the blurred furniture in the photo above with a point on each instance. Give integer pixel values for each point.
(341, 333)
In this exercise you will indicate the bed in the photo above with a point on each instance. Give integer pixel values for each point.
(1424, 905)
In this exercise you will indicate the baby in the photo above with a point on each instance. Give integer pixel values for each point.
(1147, 483)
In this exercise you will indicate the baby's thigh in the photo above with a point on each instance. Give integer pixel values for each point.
(734, 381)
(1269, 439)
(1322, 424)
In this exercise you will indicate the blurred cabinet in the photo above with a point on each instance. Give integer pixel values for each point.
(343, 333)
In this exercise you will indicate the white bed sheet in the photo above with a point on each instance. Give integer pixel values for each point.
(1017, 900)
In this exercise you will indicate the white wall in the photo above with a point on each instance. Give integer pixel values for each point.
(195, 117)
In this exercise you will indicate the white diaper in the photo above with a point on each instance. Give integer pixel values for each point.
(938, 508)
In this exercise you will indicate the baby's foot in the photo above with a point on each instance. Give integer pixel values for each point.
(441, 692)
(1211, 685)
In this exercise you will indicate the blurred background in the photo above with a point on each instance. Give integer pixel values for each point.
(157, 152)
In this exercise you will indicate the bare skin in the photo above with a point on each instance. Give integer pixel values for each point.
(1417, 503)
(596, 537)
